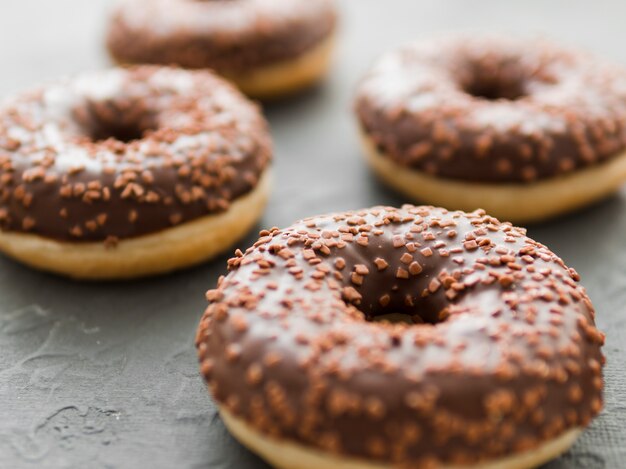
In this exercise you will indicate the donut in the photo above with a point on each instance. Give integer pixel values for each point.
(525, 129)
(269, 48)
(129, 172)
(402, 338)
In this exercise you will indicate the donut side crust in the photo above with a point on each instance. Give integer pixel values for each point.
(168, 250)
(290, 455)
(516, 202)
(288, 77)
(281, 79)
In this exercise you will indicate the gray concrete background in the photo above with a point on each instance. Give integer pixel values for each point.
(105, 376)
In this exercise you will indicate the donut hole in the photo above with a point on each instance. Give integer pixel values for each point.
(495, 90)
(122, 132)
(493, 81)
(397, 310)
(398, 318)
(121, 121)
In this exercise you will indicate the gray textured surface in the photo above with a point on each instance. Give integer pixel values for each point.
(106, 376)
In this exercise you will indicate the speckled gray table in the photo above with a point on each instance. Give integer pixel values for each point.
(105, 376)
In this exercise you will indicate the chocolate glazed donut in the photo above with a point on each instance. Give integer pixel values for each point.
(267, 47)
(124, 173)
(496, 362)
(523, 129)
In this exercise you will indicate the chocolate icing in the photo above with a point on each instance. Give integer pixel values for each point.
(502, 356)
(493, 109)
(230, 36)
(123, 153)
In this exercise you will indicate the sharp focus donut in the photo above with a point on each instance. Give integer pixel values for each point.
(497, 363)
(124, 173)
(523, 129)
(267, 47)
